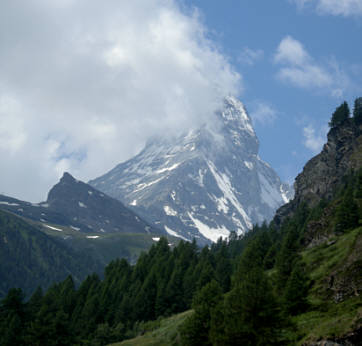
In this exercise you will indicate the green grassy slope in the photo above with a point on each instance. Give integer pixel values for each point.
(335, 310)
(159, 333)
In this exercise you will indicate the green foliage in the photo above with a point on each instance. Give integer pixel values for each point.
(251, 315)
(30, 258)
(12, 318)
(347, 212)
(296, 291)
(340, 115)
(357, 111)
(195, 330)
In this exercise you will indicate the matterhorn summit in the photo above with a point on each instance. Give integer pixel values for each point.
(203, 184)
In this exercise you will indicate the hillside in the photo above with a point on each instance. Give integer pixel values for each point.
(76, 231)
(30, 258)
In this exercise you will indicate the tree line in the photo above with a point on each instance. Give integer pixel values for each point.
(243, 290)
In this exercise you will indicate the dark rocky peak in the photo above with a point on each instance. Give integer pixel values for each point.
(69, 188)
(67, 178)
(85, 205)
(321, 176)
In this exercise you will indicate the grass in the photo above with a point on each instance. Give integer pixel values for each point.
(322, 260)
(160, 333)
(325, 318)
(336, 321)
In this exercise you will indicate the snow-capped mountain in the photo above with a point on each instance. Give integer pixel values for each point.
(203, 184)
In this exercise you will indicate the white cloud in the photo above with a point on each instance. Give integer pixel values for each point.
(298, 68)
(263, 113)
(84, 84)
(334, 7)
(250, 56)
(314, 139)
(292, 52)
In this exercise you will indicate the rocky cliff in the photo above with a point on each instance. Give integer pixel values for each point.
(321, 176)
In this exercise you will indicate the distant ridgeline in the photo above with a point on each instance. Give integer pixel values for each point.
(296, 281)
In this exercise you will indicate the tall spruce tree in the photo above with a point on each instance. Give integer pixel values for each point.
(195, 330)
(357, 111)
(295, 294)
(340, 115)
(347, 212)
(250, 314)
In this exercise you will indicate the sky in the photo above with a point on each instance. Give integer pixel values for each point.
(83, 84)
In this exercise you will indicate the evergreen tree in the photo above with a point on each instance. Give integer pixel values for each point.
(347, 216)
(195, 330)
(295, 295)
(287, 254)
(340, 115)
(251, 315)
(12, 318)
(357, 111)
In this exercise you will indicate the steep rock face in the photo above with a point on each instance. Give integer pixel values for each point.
(320, 177)
(202, 184)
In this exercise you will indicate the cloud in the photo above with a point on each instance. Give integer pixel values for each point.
(314, 139)
(262, 113)
(344, 8)
(84, 84)
(291, 51)
(299, 69)
(250, 56)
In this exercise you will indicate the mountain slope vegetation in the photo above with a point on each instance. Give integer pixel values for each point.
(30, 258)
(296, 281)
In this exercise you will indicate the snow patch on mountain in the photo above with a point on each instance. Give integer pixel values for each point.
(209, 232)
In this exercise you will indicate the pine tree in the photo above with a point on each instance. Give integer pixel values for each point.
(287, 254)
(357, 111)
(295, 295)
(340, 115)
(195, 330)
(12, 318)
(251, 315)
(347, 213)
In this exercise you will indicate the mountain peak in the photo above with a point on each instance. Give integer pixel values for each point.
(203, 184)
(235, 113)
(67, 177)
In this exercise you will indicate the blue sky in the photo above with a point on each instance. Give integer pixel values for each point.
(293, 116)
(84, 84)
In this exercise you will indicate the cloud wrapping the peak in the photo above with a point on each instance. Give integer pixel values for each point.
(84, 84)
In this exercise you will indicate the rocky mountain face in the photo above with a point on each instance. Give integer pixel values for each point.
(341, 155)
(80, 207)
(203, 184)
